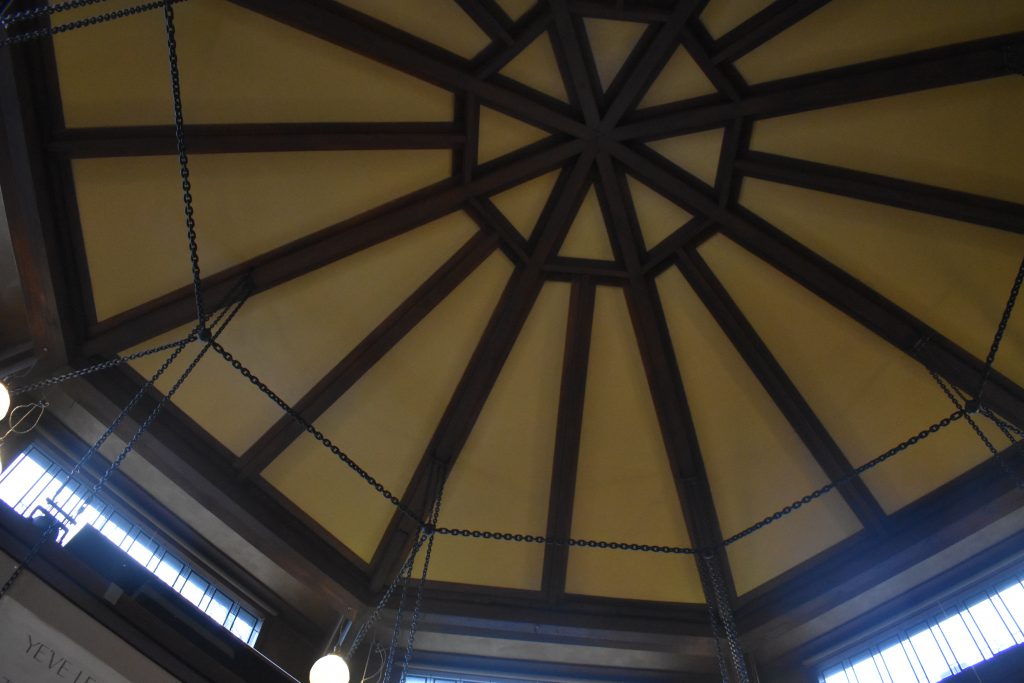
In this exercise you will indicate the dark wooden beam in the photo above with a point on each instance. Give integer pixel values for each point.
(120, 141)
(33, 202)
(950, 65)
(325, 246)
(735, 141)
(725, 77)
(491, 18)
(693, 232)
(465, 158)
(937, 201)
(762, 27)
(529, 28)
(663, 376)
(483, 211)
(484, 366)
(567, 435)
(579, 81)
(780, 388)
(831, 283)
(647, 67)
(366, 354)
(330, 21)
(568, 269)
(618, 11)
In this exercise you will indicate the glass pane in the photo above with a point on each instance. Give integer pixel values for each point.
(169, 569)
(991, 625)
(219, 607)
(930, 656)
(194, 589)
(960, 640)
(866, 671)
(897, 664)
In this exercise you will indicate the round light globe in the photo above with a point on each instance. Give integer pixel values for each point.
(329, 669)
(5, 401)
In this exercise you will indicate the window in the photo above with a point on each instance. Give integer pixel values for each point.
(948, 642)
(35, 484)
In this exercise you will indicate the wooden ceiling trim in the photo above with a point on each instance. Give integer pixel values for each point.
(725, 77)
(330, 21)
(579, 82)
(903, 194)
(762, 27)
(324, 247)
(735, 142)
(484, 366)
(619, 11)
(491, 18)
(119, 141)
(780, 388)
(647, 67)
(529, 27)
(663, 375)
(829, 282)
(567, 435)
(489, 217)
(467, 116)
(366, 354)
(949, 65)
(660, 257)
(569, 269)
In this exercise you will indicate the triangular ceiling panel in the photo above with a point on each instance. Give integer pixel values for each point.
(697, 153)
(658, 217)
(502, 478)
(237, 66)
(588, 236)
(721, 16)
(611, 43)
(523, 204)
(953, 276)
(869, 394)
(537, 68)
(952, 137)
(621, 441)
(516, 8)
(758, 469)
(386, 420)
(445, 25)
(853, 31)
(367, 286)
(246, 205)
(681, 79)
(501, 134)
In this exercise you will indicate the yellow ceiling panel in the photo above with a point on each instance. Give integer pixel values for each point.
(387, 419)
(236, 66)
(523, 204)
(588, 236)
(502, 478)
(681, 79)
(960, 137)
(697, 153)
(516, 8)
(758, 469)
(658, 217)
(500, 134)
(611, 42)
(721, 16)
(292, 335)
(869, 395)
(953, 276)
(624, 486)
(537, 68)
(851, 31)
(246, 205)
(445, 25)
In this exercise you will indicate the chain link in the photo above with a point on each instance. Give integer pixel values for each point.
(82, 23)
(721, 599)
(45, 10)
(1000, 331)
(186, 183)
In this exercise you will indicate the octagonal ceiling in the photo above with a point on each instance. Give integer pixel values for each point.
(579, 259)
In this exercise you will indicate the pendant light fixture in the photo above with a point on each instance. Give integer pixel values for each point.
(331, 668)
(5, 400)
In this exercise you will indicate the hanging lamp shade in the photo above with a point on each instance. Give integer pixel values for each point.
(5, 400)
(330, 668)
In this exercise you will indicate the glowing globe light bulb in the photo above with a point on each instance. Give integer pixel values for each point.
(329, 669)
(5, 401)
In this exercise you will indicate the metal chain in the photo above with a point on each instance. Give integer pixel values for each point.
(721, 599)
(82, 23)
(129, 446)
(186, 184)
(429, 534)
(1005, 427)
(104, 365)
(397, 629)
(1000, 331)
(46, 10)
(716, 628)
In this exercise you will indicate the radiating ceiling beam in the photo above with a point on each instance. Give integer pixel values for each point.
(762, 27)
(330, 21)
(829, 282)
(529, 28)
(365, 355)
(779, 387)
(485, 364)
(575, 360)
(950, 65)
(619, 11)
(133, 141)
(324, 247)
(726, 79)
(491, 18)
(904, 194)
(662, 370)
(569, 47)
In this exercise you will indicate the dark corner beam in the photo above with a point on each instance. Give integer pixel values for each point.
(762, 27)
